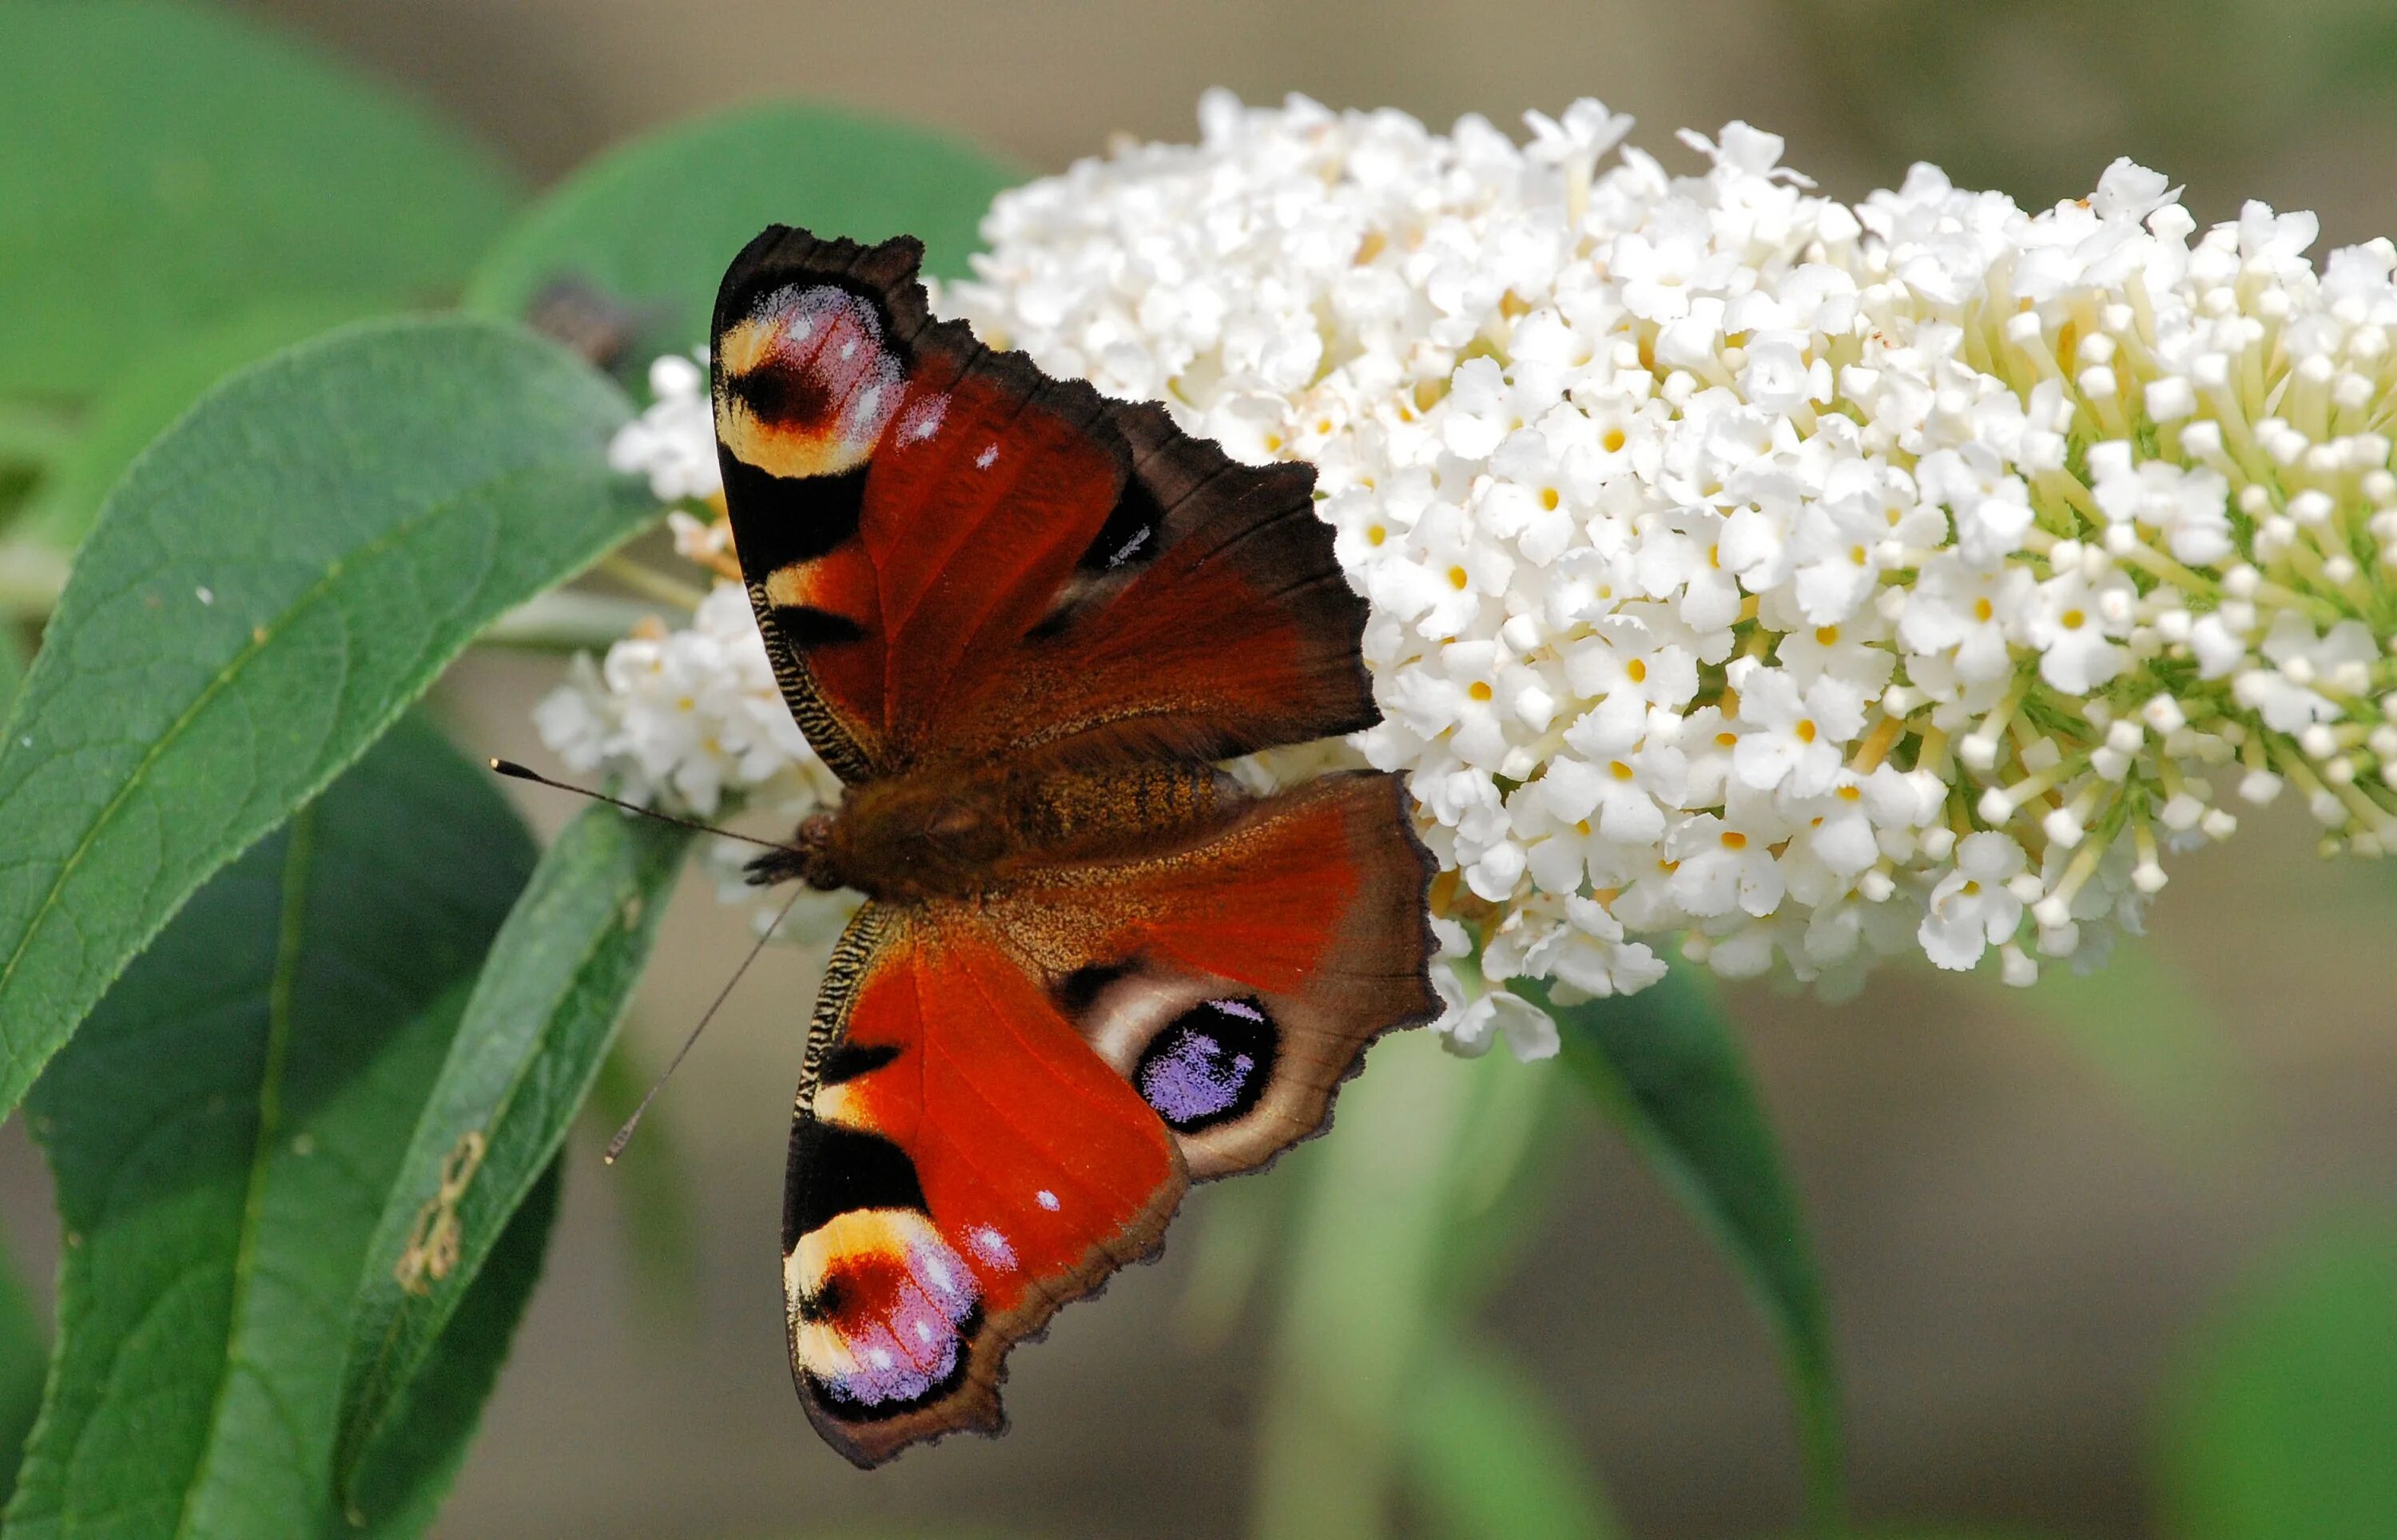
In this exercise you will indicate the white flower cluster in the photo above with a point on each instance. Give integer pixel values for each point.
(1809, 582)
(684, 719)
(1804, 582)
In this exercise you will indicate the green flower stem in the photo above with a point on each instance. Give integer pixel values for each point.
(33, 433)
(650, 583)
(30, 577)
(567, 620)
(1358, 1305)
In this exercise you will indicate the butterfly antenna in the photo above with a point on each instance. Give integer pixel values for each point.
(624, 1135)
(514, 771)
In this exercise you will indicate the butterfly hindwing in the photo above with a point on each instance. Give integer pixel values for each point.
(969, 1165)
(954, 556)
(1026, 1085)
(1236, 976)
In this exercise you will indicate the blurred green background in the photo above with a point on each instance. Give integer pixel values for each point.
(2114, 1257)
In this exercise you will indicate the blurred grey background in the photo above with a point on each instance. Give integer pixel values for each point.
(2023, 1202)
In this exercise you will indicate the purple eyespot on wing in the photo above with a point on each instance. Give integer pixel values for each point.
(886, 1310)
(1209, 1064)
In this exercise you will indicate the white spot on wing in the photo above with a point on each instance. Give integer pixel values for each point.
(1139, 540)
(1241, 1008)
(1046, 1198)
(923, 419)
(991, 1246)
(989, 458)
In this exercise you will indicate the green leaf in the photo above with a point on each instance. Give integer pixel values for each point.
(543, 1013)
(169, 166)
(2282, 1420)
(652, 224)
(143, 399)
(1666, 1066)
(267, 589)
(1489, 1458)
(223, 1133)
(409, 1470)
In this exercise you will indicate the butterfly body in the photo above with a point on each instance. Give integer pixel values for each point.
(954, 834)
(1025, 625)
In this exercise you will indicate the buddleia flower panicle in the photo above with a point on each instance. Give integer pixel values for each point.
(1795, 582)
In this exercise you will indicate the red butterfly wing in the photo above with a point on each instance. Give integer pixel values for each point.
(953, 555)
(971, 1165)
(1028, 1084)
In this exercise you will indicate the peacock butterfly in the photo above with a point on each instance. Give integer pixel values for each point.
(1023, 622)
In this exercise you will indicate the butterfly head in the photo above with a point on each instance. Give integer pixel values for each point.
(904, 838)
(807, 858)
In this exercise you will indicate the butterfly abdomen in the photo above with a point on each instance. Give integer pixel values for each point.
(1073, 812)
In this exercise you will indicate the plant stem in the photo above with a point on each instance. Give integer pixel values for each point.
(567, 620)
(650, 583)
(1358, 1303)
(31, 433)
(30, 577)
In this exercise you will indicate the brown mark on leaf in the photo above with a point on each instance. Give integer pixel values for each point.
(432, 1243)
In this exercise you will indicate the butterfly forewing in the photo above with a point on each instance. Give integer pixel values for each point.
(954, 556)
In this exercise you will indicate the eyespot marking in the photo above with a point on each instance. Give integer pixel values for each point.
(805, 382)
(883, 1311)
(1209, 1064)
